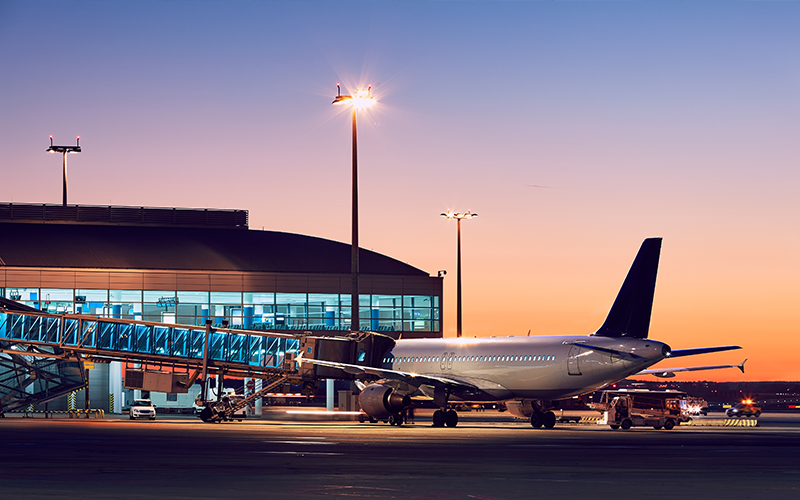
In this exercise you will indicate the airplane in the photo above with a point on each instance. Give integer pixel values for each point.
(529, 374)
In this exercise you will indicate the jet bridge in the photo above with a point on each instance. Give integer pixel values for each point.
(42, 354)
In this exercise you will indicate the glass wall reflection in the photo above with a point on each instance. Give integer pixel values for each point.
(250, 310)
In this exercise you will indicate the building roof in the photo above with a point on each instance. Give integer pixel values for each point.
(94, 246)
(124, 216)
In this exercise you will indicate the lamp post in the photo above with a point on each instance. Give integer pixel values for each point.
(458, 216)
(362, 99)
(64, 150)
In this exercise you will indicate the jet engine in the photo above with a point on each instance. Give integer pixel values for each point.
(381, 401)
(520, 408)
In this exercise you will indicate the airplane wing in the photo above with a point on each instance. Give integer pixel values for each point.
(670, 372)
(414, 379)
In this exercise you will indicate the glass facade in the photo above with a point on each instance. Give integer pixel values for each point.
(266, 311)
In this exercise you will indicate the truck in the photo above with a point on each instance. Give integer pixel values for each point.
(624, 409)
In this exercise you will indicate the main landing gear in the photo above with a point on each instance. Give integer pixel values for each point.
(543, 419)
(445, 417)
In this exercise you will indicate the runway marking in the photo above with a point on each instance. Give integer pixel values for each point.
(297, 453)
(301, 442)
(341, 491)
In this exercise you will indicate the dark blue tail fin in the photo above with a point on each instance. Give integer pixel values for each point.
(630, 315)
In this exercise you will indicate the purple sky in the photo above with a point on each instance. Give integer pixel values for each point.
(673, 119)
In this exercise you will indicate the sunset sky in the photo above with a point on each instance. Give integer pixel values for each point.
(574, 129)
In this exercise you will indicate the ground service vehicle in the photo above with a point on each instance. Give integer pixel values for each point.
(225, 406)
(747, 408)
(142, 408)
(659, 409)
(696, 406)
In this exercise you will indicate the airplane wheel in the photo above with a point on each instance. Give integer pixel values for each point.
(438, 418)
(396, 419)
(626, 424)
(614, 426)
(536, 420)
(206, 414)
(451, 418)
(549, 420)
(657, 427)
(669, 424)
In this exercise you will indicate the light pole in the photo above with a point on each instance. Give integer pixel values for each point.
(458, 216)
(64, 150)
(362, 99)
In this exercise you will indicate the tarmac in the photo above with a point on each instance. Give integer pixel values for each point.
(489, 456)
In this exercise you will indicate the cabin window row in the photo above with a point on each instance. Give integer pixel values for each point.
(435, 359)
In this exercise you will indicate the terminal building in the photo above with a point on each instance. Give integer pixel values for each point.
(186, 266)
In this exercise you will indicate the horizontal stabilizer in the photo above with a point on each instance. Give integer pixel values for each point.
(630, 315)
(670, 372)
(677, 353)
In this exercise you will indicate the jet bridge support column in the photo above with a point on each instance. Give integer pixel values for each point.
(204, 380)
(329, 394)
(259, 403)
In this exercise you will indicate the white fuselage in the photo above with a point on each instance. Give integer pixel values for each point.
(504, 368)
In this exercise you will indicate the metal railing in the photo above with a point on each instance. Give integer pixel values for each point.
(125, 340)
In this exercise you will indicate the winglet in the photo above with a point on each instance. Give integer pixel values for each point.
(741, 365)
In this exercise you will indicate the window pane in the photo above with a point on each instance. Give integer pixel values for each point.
(91, 295)
(193, 297)
(291, 310)
(58, 294)
(126, 304)
(323, 299)
(93, 302)
(153, 296)
(125, 295)
(226, 298)
(387, 300)
(259, 298)
(57, 300)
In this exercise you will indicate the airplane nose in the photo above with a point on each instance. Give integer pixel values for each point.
(666, 350)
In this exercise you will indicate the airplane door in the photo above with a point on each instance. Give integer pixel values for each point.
(572, 361)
